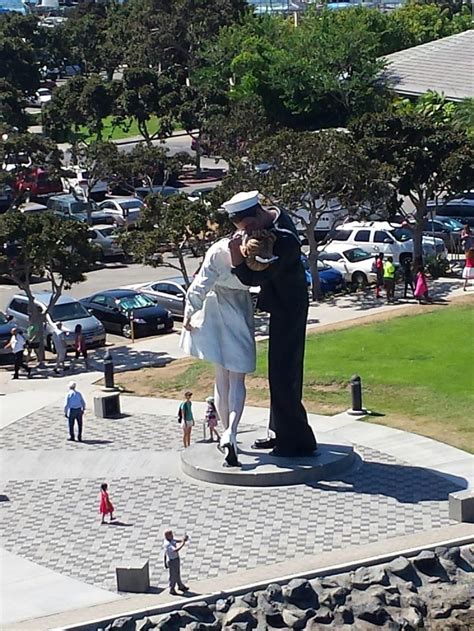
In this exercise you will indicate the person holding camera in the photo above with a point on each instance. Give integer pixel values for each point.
(172, 547)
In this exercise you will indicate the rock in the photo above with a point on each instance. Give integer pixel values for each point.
(427, 562)
(343, 615)
(122, 624)
(413, 600)
(274, 592)
(372, 611)
(300, 592)
(175, 620)
(240, 626)
(250, 599)
(467, 554)
(329, 583)
(363, 577)
(239, 613)
(200, 611)
(203, 626)
(143, 624)
(392, 599)
(410, 619)
(333, 597)
(323, 615)
(401, 567)
(222, 605)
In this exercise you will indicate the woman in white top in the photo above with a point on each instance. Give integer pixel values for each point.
(219, 327)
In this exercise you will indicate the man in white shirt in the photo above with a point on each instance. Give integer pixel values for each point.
(17, 344)
(172, 547)
(74, 407)
(59, 339)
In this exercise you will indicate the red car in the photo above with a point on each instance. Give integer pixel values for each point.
(38, 183)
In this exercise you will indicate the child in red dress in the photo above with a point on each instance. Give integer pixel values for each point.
(106, 506)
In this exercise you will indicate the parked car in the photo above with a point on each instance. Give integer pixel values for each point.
(32, 207)
(445, 228)
(169, 294)
(76, 182)
(381, 236)
(73, 208)
(199, 194)
(355, 264)
(67, 310)
(42, 96)
(6, 326)
(461, 209)
(156, 189)
(120, 309)
(330, 279)
(104, 238)
(124, 211)
(37, 183)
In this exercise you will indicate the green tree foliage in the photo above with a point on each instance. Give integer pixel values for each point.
(421, 157)
(168, 227)
(145, 93)
(164, 34)
(44, 244)
(19, 43)
(82, 102)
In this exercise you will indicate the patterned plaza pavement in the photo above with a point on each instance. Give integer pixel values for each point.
(55, 522)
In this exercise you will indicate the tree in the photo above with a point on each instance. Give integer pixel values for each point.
(19, 64)
(420, 157)
(167, 227)
(46, 245)
(314, 173)
(82, 103)
(12, 108)
(100, 160)
(147, 165)
(147, 93)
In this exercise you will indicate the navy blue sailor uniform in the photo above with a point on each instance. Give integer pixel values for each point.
(284, 294)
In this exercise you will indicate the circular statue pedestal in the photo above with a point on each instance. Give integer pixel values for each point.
(203, 461)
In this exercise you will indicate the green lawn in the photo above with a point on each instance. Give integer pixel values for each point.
(119, 133)
(417, 373)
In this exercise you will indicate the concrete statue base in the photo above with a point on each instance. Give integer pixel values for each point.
(203, 461)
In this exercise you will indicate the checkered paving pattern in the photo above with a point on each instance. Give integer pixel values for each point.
(56, 523)
(48, 429)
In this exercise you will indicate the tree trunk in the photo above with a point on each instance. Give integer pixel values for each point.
(182, 264)
(418, 237)
(313, 261)
(198, 156)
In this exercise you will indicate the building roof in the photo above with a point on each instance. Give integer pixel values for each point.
(445, 65)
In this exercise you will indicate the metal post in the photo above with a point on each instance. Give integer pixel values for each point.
(109, 371)
(356, 394)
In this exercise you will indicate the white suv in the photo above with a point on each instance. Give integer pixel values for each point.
(381, 236)
(76, 182)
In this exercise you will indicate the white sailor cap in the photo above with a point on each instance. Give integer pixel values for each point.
(242, 204)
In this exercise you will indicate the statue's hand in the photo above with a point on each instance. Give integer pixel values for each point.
(187, 325)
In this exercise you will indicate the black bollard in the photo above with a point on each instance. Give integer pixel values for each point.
(109, 371)
(356, 393)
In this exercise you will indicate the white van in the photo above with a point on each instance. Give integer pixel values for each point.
(381, 236)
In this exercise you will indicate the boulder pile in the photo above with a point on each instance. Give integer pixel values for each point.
(434, 590)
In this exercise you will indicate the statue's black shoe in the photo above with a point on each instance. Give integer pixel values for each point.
(264, 443)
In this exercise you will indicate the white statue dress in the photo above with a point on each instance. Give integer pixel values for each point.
(221, 313)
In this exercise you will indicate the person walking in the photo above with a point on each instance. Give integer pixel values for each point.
(106, 507)
(389, 278)
(468, 271)
(172, 547)
(17, 345)
(59, 339)
(421, 289)
(186, 418)
(74, 408)
(408, 277)
(80, 347)
(33, 340)
(378, 269)
(467, 238)
(211, 419)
